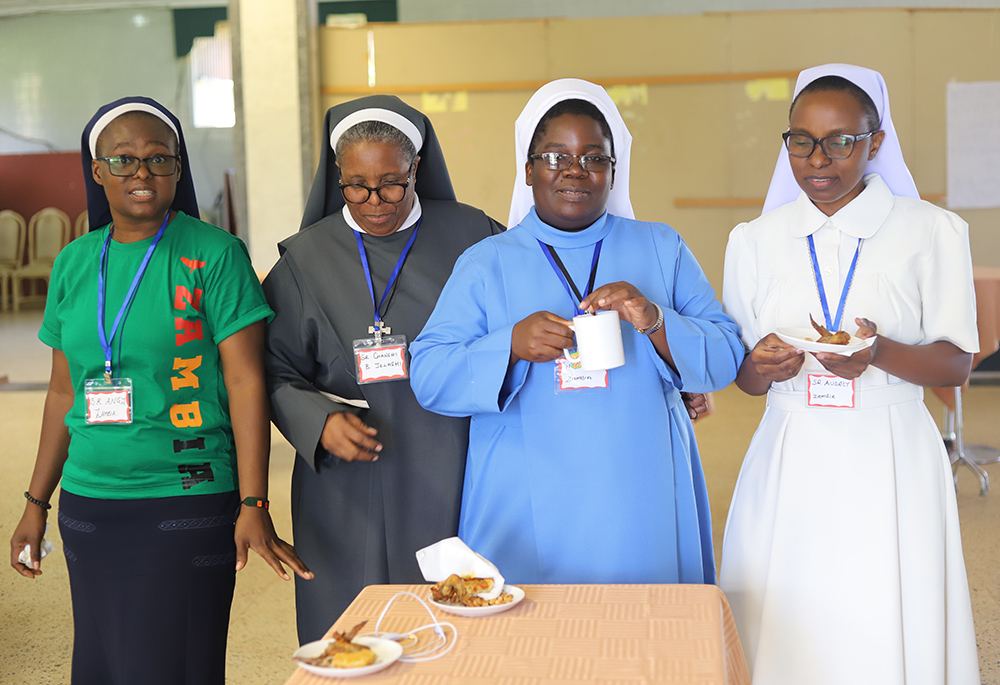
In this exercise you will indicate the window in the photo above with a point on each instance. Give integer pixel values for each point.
(212, 80)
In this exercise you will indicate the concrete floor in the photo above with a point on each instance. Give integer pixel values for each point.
(36, 619)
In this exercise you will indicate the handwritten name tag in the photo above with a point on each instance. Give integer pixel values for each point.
(385, 362)
(570, 378)
(108, 402)
(830, 391)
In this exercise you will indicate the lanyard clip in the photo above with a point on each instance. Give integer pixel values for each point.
(107, 371)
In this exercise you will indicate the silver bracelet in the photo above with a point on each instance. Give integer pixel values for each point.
(656, 326)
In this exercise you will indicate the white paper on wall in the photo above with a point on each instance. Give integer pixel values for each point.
(974, 145)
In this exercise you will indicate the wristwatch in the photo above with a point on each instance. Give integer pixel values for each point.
(656, 326)
(255, 502)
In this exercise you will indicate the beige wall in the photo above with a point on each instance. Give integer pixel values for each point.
(699, 131)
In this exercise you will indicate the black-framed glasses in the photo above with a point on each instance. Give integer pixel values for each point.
(835, 147)
(127, 165)
(560, 161)
(393, 193)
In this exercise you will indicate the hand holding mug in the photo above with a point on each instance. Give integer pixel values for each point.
(624, 298)
(540, 337)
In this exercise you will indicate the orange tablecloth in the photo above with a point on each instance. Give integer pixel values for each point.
(987, 283)
(568, 634)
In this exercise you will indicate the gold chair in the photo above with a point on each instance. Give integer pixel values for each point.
(48, 233)
(12, 230)
(81, 226)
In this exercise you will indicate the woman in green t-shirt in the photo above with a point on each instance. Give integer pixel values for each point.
(156, 419)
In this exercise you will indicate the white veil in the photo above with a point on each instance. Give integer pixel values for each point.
(541, 102)
(888, 163)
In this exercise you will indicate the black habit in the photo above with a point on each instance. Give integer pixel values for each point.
(360, 523)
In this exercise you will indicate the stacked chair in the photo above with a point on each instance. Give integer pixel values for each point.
(48, 232)
(12, 234)
(80, 226)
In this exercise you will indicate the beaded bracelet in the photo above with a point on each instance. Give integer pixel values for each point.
(37, 502)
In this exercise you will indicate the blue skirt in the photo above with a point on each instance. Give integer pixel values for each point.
(152, 584)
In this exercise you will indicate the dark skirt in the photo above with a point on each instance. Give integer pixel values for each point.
(152, 584)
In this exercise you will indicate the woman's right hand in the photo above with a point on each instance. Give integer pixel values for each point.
(346, 436)
(30, 530)
(774, 360)
(540, 337)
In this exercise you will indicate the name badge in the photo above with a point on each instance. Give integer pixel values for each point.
(830, 391)
(376, 361)
(570, 377)
(108, 401)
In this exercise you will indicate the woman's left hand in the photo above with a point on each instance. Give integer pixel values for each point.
(697, 404)
(626, 299)
(254, 530)
(853, 366)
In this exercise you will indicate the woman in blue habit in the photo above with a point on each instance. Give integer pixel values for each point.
(569, 484)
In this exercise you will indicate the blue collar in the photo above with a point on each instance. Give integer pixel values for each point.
(550, 235)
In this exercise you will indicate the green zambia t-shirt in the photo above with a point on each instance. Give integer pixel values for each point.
(198, 289)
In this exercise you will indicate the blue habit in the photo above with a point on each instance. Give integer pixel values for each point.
(584, 486)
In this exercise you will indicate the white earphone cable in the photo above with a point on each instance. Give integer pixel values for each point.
(418, 652)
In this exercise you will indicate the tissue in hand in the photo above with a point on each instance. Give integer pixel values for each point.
(24, 557)
(451, 555)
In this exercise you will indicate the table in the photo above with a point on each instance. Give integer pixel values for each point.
(986, 280)
(567, 634)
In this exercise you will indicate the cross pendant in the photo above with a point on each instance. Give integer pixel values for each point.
(378, 329)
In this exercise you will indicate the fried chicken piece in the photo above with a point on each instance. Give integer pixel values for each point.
(457, 590)
(451, 589)
(838, 338)
(342, 653)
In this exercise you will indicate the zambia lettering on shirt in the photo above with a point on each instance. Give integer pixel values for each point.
(185, 414)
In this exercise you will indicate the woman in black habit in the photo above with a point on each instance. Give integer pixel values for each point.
(376, 476)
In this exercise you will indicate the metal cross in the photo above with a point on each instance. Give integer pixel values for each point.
(378, 329)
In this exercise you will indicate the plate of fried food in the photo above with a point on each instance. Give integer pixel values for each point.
(347, 656)
(820, 339)
(462, 596)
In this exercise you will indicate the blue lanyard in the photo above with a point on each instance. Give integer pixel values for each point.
(563, 274)
(105, 339)
(833, 325)
(392, 276)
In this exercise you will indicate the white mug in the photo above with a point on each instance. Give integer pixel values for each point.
(598, 341)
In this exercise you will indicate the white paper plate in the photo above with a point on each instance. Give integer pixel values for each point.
(386, 652)
(472, 612)
(797, 337)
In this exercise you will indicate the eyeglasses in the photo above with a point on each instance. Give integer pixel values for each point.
(835, 147)
(560, 161)
(358, 194)
(127, 165)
